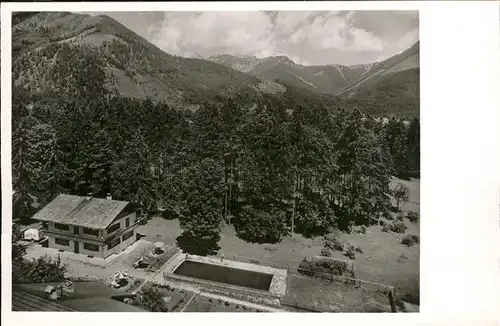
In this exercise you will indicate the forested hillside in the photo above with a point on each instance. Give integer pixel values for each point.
(327, 166)
(327, 79)
(50, 49)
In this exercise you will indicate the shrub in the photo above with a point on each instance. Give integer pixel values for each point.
(358, 249)
(350, 253)
(330, 237)
(382, 223)
(41, 270)
(227, 303)
(338, 246)
(398, 227)
(330, 244)
(385, 228)
(402, 258)
(270, 248)
(400, 217)
(413, 217)
(386, 214)
(326, 252)
(323, 266)
(151, 299)
(410, 239)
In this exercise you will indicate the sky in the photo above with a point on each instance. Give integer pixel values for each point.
(308, 38)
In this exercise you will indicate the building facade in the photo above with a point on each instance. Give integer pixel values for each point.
(89, 226)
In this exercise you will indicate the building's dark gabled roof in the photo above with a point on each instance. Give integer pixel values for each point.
(22, 301)
(95, 213)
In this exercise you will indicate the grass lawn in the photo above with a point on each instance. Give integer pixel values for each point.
(380, 261)
(319, 295)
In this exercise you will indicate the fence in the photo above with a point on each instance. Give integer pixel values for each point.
(295, 270)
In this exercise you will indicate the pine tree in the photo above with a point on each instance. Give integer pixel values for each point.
(131, 174)
(201, 213)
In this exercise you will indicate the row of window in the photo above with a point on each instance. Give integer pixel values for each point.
(111, 229)
(87, 246)
(90, 246)
(91, 232)
(62, 242)
(93, 247)
(113, 242)
(127, 235)
(65, 227)
(117, 240)
(61, 227)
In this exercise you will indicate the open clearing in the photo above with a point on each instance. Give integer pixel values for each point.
(380, 262)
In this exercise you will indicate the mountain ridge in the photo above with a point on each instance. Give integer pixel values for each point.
(44, 45)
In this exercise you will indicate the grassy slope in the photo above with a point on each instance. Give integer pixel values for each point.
(140, 68)
(408, 59)
(378, 263)
(326, 79)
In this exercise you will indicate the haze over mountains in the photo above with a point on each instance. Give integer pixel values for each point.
(48, 48)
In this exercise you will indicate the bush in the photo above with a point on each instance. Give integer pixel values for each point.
(338, 246)
(330, 244)
(326, 252)
(334, 244)
(382, 223)
(330, 237)
(363, 229)
(401, 217)
(385, 228)
(41, 270)
(402, 258)
(358, 249)
(413, 217)
(151, 299)
(350, 253)
(410, 239)
(398, 227)
(270, 248)
(320, 267)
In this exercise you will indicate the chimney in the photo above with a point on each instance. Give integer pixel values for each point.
(108, 196)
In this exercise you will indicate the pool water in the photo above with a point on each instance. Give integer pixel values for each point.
(224, 274)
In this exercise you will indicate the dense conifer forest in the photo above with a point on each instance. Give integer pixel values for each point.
(261, 163)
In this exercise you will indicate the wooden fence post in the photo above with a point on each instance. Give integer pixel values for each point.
(392, 302)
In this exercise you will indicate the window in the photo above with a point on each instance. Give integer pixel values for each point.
(62, 242)
(127, 222)
(91, 232)
(113, 228)
(127, 235)
(90, 247)
(113, 242)
(61, 227)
